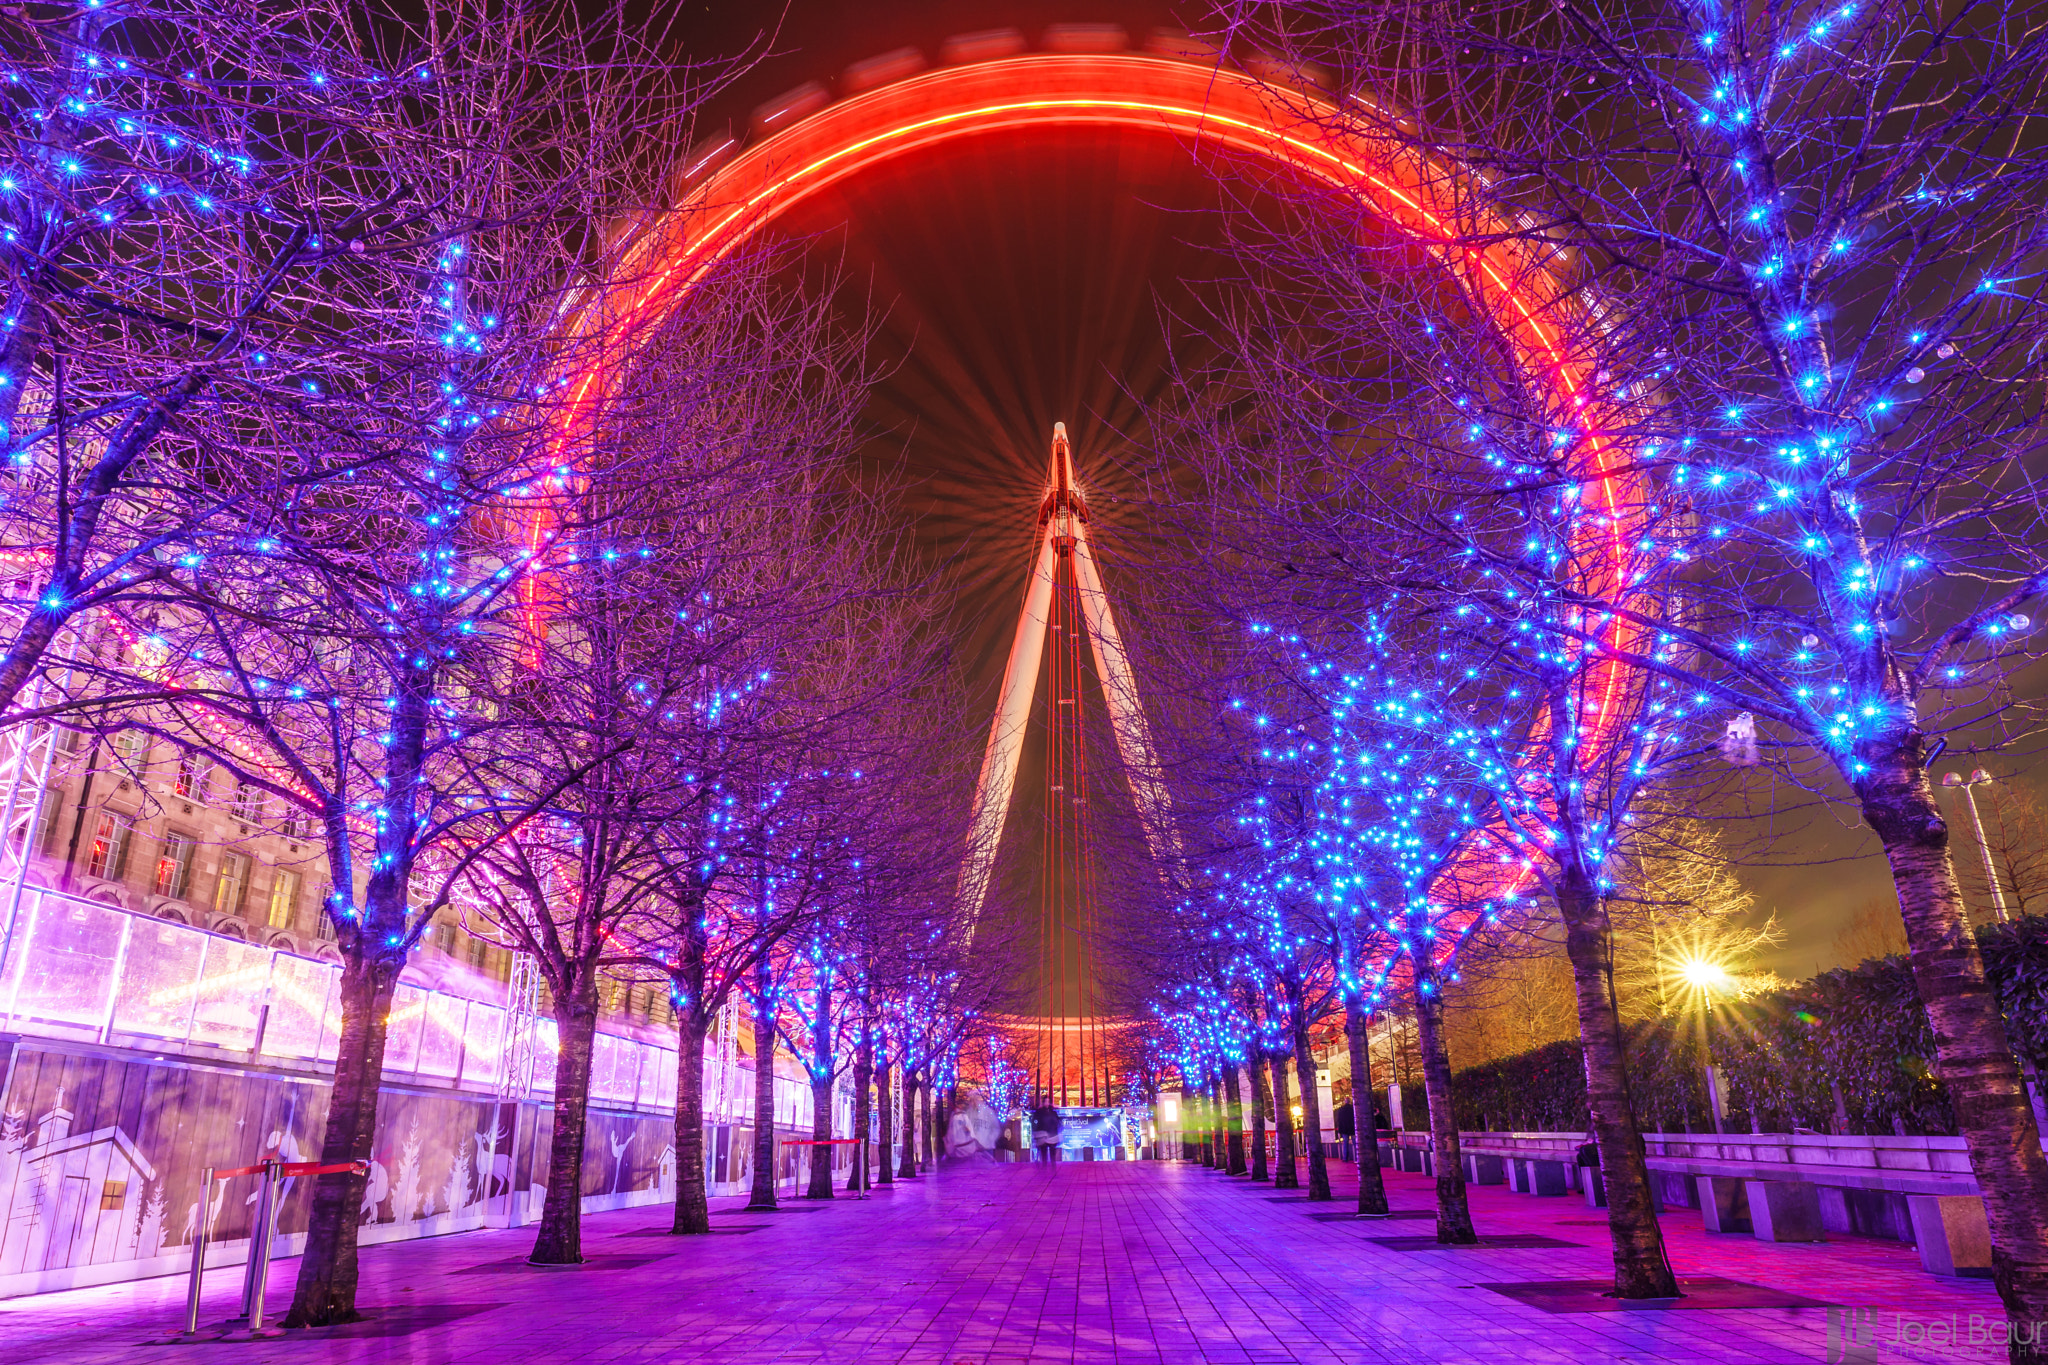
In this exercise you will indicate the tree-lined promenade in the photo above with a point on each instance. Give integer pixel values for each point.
(302, 487)
(1477, 652)
(363, 443)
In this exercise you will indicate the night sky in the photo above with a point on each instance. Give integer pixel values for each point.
(1022, 280)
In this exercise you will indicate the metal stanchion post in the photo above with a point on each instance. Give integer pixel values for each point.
(255, 1237)
(199, 1251)
(262, 1235)
(259, 1250)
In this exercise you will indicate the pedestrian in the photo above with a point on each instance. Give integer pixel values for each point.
(1045, 1133)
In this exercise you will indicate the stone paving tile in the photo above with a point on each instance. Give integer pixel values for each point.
(1094, 1264)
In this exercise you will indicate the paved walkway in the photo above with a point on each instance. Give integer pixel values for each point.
(1138, 1264)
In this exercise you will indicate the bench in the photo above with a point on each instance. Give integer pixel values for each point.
(1796, 1187)
(1778, 1187)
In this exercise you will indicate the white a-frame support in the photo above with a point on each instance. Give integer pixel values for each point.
(1062, 525)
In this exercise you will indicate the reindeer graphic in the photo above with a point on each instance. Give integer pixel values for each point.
(493, 1163)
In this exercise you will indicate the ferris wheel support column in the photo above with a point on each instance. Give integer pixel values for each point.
(1120, 694)
(1006, 735)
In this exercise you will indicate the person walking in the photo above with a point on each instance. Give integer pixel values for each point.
(1045, 1134)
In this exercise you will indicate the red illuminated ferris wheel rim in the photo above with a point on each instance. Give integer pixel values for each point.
(1193, 102)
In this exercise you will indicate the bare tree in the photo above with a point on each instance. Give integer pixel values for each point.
(1814, 236)
(202, 193)
(334, 646)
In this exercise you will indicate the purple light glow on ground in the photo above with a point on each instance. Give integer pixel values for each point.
(1138, 1264)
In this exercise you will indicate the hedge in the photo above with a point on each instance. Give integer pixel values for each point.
(1849, 1050)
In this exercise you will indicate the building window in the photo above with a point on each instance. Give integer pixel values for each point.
(113, 1193)
(190, 781)
(284, 899)
(292, 824)
(131, 747)
(233, 883)
(111, 836)
(247, 803)
(477, 949)
(174, 864)
(47, 815)
(52, 817)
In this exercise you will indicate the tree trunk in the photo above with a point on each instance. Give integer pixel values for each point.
(924, 1117)
(1260, 1104)
(908, 1168)
(863, 1077)
(822, 1064)
(1453, 1214)
(559, 1240)
(1211, 1126)
(762, 1196)
(1641, 1268)
(1974, 1055)
(1285, 1176)
(1311, 1113)
(821, 1133)
(1233, 1121)
(326, 1292)
(1372, 1188)
(693, 1207)
(885, 1141)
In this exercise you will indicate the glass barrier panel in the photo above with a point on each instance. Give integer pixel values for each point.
(547, 1042)
(483, 1046)
(229, 993)
(664, 1079)
(25, 915)
(717, 1101)
(632, 1066)
(299, 988)
(604, 1066)
(330, 1020)
(653, 1062)
(67, 962)
(402, 1032)
(742, 1091)
(160, 980)
(181, 984)
(441, 1035)
(626, 1081)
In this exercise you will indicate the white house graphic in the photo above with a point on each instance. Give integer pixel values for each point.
(74, 1199)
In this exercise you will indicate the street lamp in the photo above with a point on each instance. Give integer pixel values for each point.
(1978, 777)
(1705, 975)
